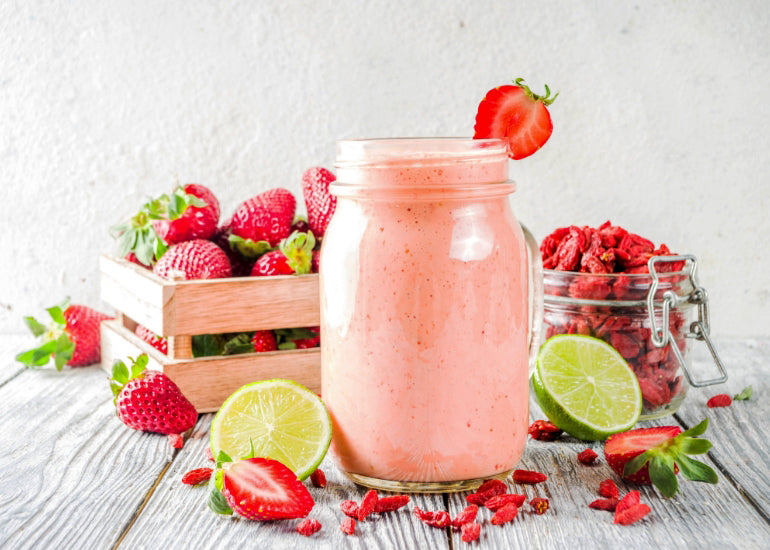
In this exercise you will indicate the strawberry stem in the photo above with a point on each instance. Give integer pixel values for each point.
(544, 99)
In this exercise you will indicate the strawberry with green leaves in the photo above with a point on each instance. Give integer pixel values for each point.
(72, 338)
(516, 115)
(148, 400)
(261, 222)
(196, 259)
(293, 256)
(190, 212)
(655, 455)
(320, 203)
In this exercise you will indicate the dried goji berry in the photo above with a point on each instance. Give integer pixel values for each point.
(608, 489)
(348, 526)
(349, 508)
(587, 456)
(436, 518)
(631, 514)
(308, 527)
(504, 514)
(720, 400)
(487, 490)
(466, 516)
(498, 501)
(367, 505)
(391, 503)
(630, 499)
(176, 440)
(604, 504)
(470, 532)
(544, 430)
(196, 476)
(528, 476)
(318, 478)
(539, 505)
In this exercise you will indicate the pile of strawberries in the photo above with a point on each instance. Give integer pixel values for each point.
(610, 249)
(179, 237)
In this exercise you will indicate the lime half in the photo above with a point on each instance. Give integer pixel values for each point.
(585, 387)
(282, 419)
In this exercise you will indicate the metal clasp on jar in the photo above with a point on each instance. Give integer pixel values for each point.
(699, 329)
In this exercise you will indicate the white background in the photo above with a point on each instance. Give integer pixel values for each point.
(662, 123)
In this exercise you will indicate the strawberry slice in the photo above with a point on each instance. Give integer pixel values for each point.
(518, 116)
(264, 489)
(655, 455)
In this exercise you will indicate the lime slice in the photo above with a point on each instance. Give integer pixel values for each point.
(284, 420)
(585, 387)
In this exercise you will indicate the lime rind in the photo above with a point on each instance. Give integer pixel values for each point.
(284, 420)
(585, 387)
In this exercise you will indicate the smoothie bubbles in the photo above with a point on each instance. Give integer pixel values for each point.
(425, 314)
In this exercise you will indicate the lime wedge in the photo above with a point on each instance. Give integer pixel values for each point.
(284, 420)
(585, 387)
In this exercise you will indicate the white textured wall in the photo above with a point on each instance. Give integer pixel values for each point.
(661, 125)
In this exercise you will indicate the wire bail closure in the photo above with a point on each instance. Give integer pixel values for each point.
(698, 329)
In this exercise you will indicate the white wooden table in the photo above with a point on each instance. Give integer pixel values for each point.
(73, 476)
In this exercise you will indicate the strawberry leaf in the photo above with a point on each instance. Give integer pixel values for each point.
(56, 314)
(698, 429)
(696, 471)
(636, 464)
(64, 351)
(745, 394)
(693, 446)
(37, 329)
(217, 501)
(247, 247)
(662, 475)
(138, 366)
(223, 457)
(240, 343)
(119, 376)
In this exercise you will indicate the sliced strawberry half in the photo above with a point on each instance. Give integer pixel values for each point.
(518, 116)
(264, 489)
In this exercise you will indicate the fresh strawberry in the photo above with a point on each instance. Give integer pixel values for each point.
(300, 224)
(240, 263)
(298, 338)
(137, 240)
(310, 342)
(148, 400)
(655, 455)
(264, 489)
(265, 218)
(294, 255)
(72, 338)
(264, 340)
(158, 342)
(191, 212)
(516, 115)
(319, 202)
(197, 259)
(315, 264)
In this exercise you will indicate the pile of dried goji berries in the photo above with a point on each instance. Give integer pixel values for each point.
(608, 263)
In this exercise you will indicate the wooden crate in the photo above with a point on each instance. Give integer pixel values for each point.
(180, 309)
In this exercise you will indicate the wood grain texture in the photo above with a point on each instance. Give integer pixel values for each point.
(741, 432)
(134, 291)
(176, 516)
(10, 346)
(71, 474)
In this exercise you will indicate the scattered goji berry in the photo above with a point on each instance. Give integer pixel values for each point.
(176, 440)
(504, 514)
(721, 400)
(631, 514)
(608, 489)
(632, 498)
(349, 508)
(608, 504)
(367, 504)
(528, 477)
(498, 501)
(470, 531)
(318, 478)
(435, 518)
(539, 505)
(308, 527)
(391, 503)
(487, 490)
(196, 476)
(348, 526)
(587, 457)
(466, 516)
(544, 430)
(209, 453)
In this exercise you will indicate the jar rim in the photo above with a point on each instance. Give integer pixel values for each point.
(369, 151)
(636, 276)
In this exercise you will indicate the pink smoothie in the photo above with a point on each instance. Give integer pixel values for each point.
(424, 321)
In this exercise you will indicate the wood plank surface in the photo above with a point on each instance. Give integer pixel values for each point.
(176, 516)
(10, 346)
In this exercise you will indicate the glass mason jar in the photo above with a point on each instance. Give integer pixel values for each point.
(649, 319)
(425, 318)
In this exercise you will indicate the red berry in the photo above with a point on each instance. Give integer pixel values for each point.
(470, 532)
(265, 217)
(368, 503)
(621, 448)
(197, 476)
(608, 489)
(197, 259)
(348, 526)
(497, 502)
(349, 508)
(631, 514)
(158, 342)
(264, 340)
(721, 400)
(539, 505)
(391, 503)
(320, 203)
(632, 498)
(318, 478)
(604, 504)
(308, 527)
(191, 222)
(468, 515)
(528, 477)
(271, 263)
(264, 489)
(587, 457)
(516, 115)
(504, 514)
(176, 440)
(544, 430)
(436, 518)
